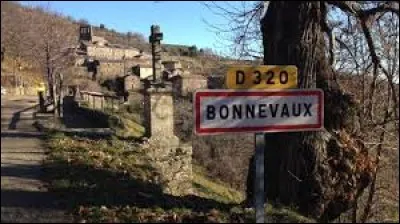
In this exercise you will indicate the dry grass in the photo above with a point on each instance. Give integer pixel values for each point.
(110, 181)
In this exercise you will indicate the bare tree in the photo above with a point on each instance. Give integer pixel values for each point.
(54, 48)
(38, 36)
(242, 28)
(381, 115)
(376, 77)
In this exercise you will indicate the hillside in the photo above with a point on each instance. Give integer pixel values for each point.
(14, 19)
(26, 33)
(23, 30)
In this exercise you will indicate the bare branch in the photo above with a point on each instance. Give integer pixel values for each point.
(354, 8)
(343, 44)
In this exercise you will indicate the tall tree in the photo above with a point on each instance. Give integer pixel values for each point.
(320, 172)
(55, 49)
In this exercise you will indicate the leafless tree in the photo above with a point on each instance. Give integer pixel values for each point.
(242, 28)
(38, 36)
(54, 47)
(377, 91)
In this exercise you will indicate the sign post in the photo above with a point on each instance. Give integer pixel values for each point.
(244, 77)
(261, 99)
(259, 197)
(258, 111)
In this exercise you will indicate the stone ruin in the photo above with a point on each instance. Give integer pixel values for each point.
(183, 82)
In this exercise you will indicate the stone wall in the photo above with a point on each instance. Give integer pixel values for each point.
(111, 53)
(188, 84)
(115, 68)
(112, 69)
(192, 83)
(174, 168)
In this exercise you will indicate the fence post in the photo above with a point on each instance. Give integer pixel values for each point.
(94, 107)
(41, 102)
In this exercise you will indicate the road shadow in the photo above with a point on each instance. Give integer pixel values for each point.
(21, 134)
(30, 205)
(17, 117)
(33, 204)
(20, 206)
(84, 184)
(28, 199)
(20, 171)
(77, 117)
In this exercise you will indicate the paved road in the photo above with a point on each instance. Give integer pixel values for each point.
(24, 197)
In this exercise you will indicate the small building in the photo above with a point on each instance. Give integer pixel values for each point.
(104, 59)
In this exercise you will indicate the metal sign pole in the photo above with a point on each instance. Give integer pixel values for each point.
(259, 177)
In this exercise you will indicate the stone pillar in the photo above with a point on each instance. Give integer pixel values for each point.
(172, 159)
(160, 121)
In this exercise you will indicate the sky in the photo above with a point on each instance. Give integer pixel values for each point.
(181, 22)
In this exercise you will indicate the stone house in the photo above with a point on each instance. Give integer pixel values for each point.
(102, 59)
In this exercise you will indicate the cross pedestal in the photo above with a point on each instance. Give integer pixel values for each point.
(172, 159)
(159, 116)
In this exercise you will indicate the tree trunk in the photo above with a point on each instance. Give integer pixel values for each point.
(61, 96)
(297, 167)
(292, 36)
(50, 80)
(55, 97)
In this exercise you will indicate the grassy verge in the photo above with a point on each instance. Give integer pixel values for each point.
(214, 189)
(126, 125)
(111, 181)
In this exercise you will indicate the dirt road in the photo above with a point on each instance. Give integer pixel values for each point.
(24, 197)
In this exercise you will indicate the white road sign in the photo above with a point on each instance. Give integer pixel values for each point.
(226, 111)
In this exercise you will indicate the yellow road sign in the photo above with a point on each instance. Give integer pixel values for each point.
(262, 77)
(41, 87)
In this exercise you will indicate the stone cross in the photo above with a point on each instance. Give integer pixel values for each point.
(173, 159)
(155, 40)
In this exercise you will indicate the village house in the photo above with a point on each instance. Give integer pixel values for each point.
(97, 57)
